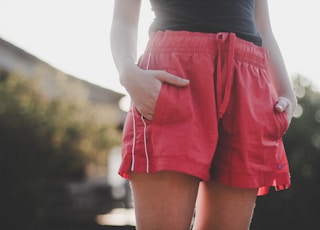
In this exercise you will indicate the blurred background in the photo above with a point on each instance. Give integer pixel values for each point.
(62, 111)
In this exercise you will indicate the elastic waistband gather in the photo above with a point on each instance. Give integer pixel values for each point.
(198, 42)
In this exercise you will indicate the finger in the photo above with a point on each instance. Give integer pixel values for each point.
(166, 77)
(146, 111)
(148, 117)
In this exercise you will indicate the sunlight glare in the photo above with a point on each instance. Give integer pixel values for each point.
(117, 217)
(124, 103)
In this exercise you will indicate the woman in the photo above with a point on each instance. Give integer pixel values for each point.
(211, 99)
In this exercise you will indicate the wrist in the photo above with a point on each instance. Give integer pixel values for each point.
(291, 98)
(288, 94)
(127, 70)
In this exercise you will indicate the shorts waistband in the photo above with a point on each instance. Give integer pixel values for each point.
(212, 43)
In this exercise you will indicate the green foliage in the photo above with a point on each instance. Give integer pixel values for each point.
(43, 143)
(298, 207)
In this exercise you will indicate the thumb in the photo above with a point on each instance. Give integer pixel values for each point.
(282, 104)
(169, 78)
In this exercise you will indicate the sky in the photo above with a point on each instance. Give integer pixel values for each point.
(73, 35)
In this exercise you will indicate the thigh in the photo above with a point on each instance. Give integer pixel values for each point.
(164, 200)
(222, 207)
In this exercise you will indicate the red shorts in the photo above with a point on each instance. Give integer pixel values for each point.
(222, 126)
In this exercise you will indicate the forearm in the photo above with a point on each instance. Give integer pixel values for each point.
(279, 74)
(123, 45)
(123, 36)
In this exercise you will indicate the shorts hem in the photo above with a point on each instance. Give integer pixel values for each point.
(278, 181)
(195, 169)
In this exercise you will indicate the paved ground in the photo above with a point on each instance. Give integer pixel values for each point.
(88, 227)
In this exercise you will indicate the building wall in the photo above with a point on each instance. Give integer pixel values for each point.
(54, 82)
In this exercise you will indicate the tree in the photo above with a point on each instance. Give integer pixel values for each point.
(44, 143)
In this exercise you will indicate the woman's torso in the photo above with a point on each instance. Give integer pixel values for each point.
(210, 16)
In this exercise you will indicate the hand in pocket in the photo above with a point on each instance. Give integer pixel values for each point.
(144, 87)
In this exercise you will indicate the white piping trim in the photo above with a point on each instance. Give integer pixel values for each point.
(145, 143)
(134, 138)
(148, 63)
(144, 132)
(145, 125)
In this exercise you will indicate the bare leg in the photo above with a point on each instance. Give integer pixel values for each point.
(222, 207)
(164, 200)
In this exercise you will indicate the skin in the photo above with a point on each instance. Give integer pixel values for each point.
(166, 200)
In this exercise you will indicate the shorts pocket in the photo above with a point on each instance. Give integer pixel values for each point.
(279, 118)
(283, 123)
(274, 124)
(173, 104)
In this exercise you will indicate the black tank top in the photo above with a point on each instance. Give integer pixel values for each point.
(210, 16)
